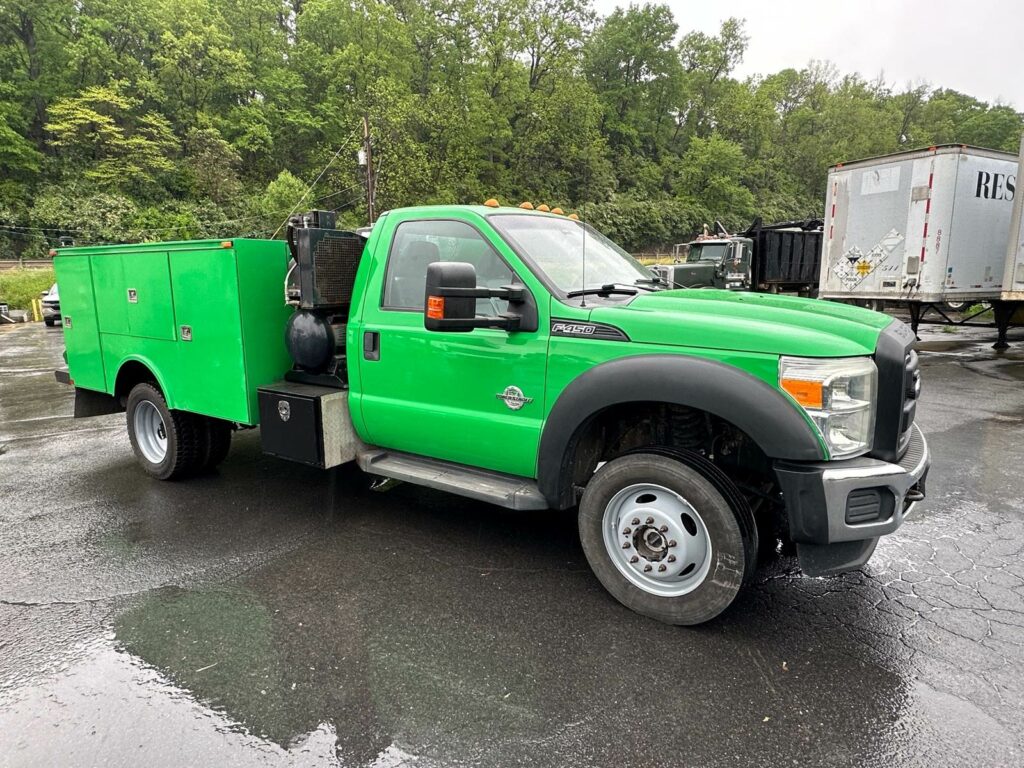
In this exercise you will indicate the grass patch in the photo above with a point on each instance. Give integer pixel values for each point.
(19, 286)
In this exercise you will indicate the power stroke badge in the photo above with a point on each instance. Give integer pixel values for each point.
(514, 398)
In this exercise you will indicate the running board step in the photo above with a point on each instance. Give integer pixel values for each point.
(495, 487)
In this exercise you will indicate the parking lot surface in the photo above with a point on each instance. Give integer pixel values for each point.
(262, 615)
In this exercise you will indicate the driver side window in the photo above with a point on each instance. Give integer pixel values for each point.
(417, 244)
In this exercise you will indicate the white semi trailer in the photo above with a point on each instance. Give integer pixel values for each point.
(920, 228)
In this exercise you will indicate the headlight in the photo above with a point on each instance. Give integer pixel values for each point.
(839, 396)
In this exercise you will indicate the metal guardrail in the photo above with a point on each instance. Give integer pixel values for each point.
(26, 264)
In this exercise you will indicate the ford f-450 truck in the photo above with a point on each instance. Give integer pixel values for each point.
(520, 358)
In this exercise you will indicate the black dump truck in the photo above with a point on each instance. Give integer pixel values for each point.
(774, 258)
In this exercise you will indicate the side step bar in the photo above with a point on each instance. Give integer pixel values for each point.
(495, 487)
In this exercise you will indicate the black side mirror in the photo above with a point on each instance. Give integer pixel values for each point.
(450, 301)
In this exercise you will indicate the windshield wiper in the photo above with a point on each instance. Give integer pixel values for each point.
(649, 283)
(604, 290)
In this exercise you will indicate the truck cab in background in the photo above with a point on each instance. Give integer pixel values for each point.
(521, 358)
(711, 263)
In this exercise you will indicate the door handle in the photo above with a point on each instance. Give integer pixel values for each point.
(371, 345)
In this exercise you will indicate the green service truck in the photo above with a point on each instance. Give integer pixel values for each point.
(520, 358)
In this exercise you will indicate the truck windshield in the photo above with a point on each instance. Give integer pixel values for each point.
(555, 246)
(713, 252)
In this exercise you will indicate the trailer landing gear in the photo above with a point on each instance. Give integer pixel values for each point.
(1004, 312)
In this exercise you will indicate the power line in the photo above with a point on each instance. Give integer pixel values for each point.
(310, 187)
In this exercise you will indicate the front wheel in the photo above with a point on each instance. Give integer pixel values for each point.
(663, 539)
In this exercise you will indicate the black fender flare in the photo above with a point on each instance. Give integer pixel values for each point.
(761, 411)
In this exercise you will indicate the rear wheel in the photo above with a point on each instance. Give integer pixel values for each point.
(215, 442)
(664, 540)
(166, 443)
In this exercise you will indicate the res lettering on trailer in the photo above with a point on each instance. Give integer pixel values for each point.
(586, 330)
(995, 186)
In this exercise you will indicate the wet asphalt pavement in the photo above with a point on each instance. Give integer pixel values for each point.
(263, 616)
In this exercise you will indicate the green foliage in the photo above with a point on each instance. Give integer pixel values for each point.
(123, 120)
(19, 286)
(110, 139)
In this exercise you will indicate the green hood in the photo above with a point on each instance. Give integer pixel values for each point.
(748, 322)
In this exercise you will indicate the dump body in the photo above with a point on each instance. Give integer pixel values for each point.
(787, 256)
(205, 317)
(925, 226)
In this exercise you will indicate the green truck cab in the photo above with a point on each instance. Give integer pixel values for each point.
(520, 358)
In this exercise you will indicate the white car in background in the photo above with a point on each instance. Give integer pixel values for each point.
(51, 306)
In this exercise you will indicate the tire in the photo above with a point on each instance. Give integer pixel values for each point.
(49, 321)
(622, 514)
(166, 443)
(214, 442)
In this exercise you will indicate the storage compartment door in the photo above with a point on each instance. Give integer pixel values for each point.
(148, 293)
(210, 373)
(81, 335)
(111, 293)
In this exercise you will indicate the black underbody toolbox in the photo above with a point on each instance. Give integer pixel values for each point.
(291, 423)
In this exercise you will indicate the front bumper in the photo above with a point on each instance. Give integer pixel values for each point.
(837, 509)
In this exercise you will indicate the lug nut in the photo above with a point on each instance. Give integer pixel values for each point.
(647, 568)
(650, 520)
(625, 545)
(661, 568)
(626, 531)
(664, 529)
(633, 559)
(671, 558)
(636, 521)
(671, 542)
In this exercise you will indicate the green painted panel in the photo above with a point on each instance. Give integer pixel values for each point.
(111, 293)
(159, 356)
(81, 335)
(437, 394)
(148, 294)
(208, 375)
(262, 266)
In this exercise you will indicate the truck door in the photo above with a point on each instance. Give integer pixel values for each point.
(475, 397)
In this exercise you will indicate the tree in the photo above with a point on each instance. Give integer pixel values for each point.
(711, 173)
(111, 140)
(707, 62)
(632, 65)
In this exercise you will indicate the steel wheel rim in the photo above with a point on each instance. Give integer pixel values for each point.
(657, 540)
(150, 432)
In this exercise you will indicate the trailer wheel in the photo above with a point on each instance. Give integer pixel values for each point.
(165, 442)
(215, 442)
(663, 539)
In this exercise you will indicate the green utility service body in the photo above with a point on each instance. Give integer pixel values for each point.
(521, 358)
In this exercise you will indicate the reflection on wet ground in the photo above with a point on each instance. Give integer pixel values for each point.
(263, 615)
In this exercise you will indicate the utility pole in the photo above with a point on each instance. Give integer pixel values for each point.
(366, 160)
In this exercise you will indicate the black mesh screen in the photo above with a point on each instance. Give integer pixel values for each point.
(328, 261)
(335, 261)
